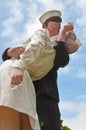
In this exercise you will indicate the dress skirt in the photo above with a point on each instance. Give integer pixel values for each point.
(19, 97)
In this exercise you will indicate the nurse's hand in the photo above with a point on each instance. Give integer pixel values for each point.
(17, 76)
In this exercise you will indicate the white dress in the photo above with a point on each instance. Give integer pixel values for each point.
(22, 97)
(36, 61)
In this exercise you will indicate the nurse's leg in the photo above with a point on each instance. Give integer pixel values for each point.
(9, 119)
(25, 122)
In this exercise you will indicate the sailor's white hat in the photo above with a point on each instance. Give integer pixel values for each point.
(49, 14)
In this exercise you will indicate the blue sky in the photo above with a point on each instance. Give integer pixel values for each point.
(19, 19)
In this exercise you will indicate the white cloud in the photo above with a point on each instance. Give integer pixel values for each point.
(51, 4)
(15, 15)
(81, 74)
(68, 106)
(76, 67)
(77, 110)
(81, 4)
(31, 27)
(65, 70)
(77, 123)
(81, 21)
(81, 9)
(81, 98)
(75, 56)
